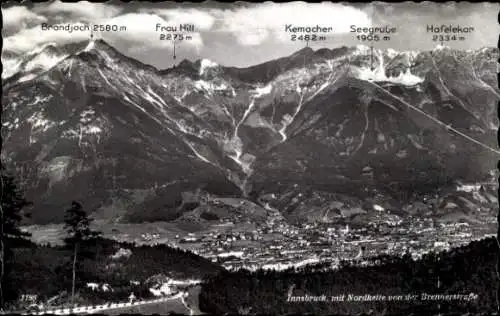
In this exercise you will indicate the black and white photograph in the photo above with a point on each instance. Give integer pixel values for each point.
(213, 158)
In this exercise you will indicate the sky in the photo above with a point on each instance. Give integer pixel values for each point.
(242, 33)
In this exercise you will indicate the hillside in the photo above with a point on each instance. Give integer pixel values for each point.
(465, 270)
(86, 122)
(126, 268)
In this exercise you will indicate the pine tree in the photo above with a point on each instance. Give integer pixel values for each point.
(11, 213)
(80, 237)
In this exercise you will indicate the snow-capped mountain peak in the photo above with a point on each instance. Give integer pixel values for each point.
(392, 53)
(440, 47)
(205, 64)
(35, 62)
(361, 49)
(200, 122)
(90, 46)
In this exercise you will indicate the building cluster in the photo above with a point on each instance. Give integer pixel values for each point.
(149, 236)
(278, 244)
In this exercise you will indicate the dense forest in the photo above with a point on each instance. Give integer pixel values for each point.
(46, 270)
(465, 270)
(397, 285)
(58, 275)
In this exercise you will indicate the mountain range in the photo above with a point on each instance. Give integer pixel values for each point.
(308, 133)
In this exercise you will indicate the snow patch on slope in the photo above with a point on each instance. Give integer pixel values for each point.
(39, 122)
(39, 60)
(209, 86)
(378, 74)
(392, 53)
(361, 50)
(259, 92)
(197, 153)
(235, 143)
(43, 61)
(440, 47)
(10, 67)
(206, 64)
(90, 46)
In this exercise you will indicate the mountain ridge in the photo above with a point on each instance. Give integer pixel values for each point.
(245, 129)
(303, 52)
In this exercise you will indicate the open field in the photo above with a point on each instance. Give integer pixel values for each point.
(54, 233)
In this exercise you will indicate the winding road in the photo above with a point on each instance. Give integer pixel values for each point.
(89, 309)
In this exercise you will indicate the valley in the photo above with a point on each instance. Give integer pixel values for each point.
(236, 233)
(249, 159)
(280, 155)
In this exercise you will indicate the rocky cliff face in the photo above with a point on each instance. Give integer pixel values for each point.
(95, 125)
(98, 127)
